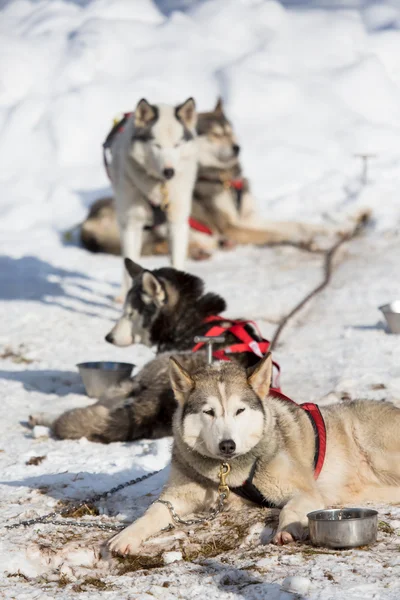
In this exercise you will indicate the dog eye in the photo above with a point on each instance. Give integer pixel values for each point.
(240, 410)
(209, 412)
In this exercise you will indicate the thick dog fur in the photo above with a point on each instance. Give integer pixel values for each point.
(164, 308)
(225, 414)
(215, 204)
(155, 153)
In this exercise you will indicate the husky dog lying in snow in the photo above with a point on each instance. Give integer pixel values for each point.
(222, 202)
(164, 308)
(153, 164)
(226, 415)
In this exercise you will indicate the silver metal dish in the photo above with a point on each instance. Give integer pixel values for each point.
(97, 377)
(343, 528)
(391, 313)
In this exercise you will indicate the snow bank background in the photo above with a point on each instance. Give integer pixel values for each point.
(307, 85)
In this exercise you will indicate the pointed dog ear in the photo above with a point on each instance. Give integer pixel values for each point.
(181, 381)
(259, 377)
(133, 268)
(153, 288)
(186, 113)
(219, 107)
(145, 113)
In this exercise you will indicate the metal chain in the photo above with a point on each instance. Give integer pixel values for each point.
(49, 519)
(216, 511)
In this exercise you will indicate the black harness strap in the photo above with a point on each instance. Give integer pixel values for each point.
(248, 491)
(317, 441)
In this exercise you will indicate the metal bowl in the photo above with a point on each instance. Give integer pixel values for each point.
(98, 377)
(343, 528)
(391, 313)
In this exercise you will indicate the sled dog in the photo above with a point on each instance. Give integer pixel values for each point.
(153, 166)
(226, 415)
(222, 203)
(165, 309)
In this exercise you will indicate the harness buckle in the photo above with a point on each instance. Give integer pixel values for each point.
(223, 488)
(209, 340)
(165, 197)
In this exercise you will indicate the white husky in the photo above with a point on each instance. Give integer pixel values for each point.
(153, 171)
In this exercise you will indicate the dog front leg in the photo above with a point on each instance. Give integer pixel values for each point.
(179, 242)
(293, 517)
(131, 242)
(184, 495)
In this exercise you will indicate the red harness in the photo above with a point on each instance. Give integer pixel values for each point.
(248, 344)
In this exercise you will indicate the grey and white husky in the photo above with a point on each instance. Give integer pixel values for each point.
(154, 164)
(226, 415)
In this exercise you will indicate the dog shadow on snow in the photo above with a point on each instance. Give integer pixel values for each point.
(30, 278)
(47, 381)
(70, 486)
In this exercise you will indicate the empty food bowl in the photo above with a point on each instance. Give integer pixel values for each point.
(391, 313)
(343, 528)
(98, 377)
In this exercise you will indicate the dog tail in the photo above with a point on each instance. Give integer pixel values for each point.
(247, 235)
(90, 422)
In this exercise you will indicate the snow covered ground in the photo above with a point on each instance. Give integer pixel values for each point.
(308, 84)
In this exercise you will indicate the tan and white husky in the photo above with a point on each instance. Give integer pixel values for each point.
(226, 415)
(154, 164)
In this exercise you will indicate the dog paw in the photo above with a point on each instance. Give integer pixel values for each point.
(200, 254)
(282, 537)
(226, 244)
(33, 420)
(123, 544)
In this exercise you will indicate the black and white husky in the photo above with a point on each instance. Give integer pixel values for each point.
(154, 164)
(166, 309)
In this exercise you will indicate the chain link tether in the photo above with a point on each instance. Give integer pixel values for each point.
(51, 518)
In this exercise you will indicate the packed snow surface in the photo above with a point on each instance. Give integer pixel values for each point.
(309, 86)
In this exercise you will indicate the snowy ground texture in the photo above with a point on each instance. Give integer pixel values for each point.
(308, 84)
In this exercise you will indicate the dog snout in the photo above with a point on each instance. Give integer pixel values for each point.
(169, 173)
(110, 338)
(236, 149)
(227, 447)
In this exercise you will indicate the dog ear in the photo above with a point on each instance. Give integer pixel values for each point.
(133, 268)
(219, 107)
(186, 113)
(153, 288)
(144, 113)
(259, 378)
(181, 382)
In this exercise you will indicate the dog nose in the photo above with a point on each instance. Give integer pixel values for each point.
(227, 447)
(236, 149)
(110, 338)
(169, 173)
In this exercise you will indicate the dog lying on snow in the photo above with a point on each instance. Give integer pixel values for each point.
(222, 202)
(167, 309)
(226, 415)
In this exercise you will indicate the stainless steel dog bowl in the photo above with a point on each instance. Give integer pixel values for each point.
(343, 528)
(392, 315)
(97, 377)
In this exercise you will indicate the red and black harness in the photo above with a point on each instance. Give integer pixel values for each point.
(159, 217)
(259, 347)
